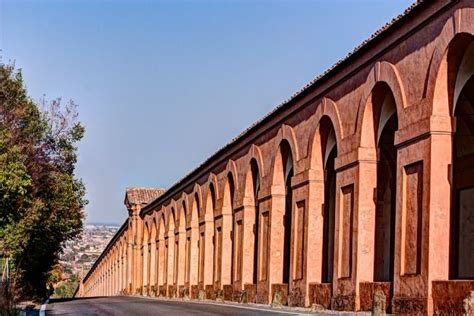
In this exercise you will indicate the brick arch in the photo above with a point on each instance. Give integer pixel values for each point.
(231, 168)
(286, 133)
(197, 192)
(327, 108)
(229, 173)
(382, 73)
(256, 155)
(154, 229)
(211, 182)
(451, 35)
(172, 218)
(184, 210)
(146, 234)
(161, 226)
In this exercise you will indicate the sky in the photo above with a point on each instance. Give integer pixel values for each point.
(162, 85)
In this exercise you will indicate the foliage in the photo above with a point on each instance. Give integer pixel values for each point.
(67, 288)
(41, 200)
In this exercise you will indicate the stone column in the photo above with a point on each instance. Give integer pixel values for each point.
(181, 236)
(152, 269)
(194, 256)
(247, 216)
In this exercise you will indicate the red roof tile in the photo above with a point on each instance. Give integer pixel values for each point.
(142, 195)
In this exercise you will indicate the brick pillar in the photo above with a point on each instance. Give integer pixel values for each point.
(246, 245)
(181, 236)
(226, 261)
(161, 263)
(152, 274)
(145, 265)
(209, 252)
(137, 233)
(171, 258)
(307, 236)
(194, 255)
(423, 215)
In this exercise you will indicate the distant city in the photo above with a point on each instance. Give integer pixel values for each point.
(80, 254)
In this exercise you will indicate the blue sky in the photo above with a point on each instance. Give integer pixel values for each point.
(161, 85)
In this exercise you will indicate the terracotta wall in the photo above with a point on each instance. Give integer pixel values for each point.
(204, 228)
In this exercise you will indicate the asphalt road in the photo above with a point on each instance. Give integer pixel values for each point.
(129, 306)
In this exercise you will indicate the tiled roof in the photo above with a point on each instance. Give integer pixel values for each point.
(142, 195)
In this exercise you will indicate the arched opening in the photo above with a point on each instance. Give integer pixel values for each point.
(162, 254)
(171, 249)
(180, 247)
(255, 191)
(153, 257)
(329, 153)
(385, 122)
(283, 173)
(187, 247)
(224, 230)
(145, 258)
(462, 203)
(207, 264)
(193, 249)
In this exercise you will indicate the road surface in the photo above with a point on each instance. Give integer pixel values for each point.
(123, 305)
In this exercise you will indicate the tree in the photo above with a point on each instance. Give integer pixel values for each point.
(41, 200)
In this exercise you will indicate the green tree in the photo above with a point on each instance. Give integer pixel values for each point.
(68, 288)
(41, 200)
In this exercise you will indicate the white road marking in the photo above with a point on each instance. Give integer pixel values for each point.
(43, 308)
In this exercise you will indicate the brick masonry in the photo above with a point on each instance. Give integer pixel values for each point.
(345, 197)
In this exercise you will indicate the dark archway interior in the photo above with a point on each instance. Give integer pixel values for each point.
(462, 256)
(256, 189)
(231, 192)
(329, 217)
(386, 201)
(287, 160)
(385, 124)
(327, 136)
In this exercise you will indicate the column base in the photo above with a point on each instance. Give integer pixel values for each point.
(320, 295)
(279, 294)
(454, 297)
(375, 296)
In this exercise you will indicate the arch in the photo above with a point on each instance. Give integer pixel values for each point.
(232, 171)
(440, 85)
(455, 87)
(380, 105)
(197, 196)
(278, 167)
(224, 231)
(183, 214)
(195, 209)
(386, 73)
(282, 204)
(255, 153)
(379, 122)
(161, 226)
(252, 175)
(162, 254)
(210, 202)
(172, 220)
(206, 235)
(326, 109)
(324, 148)
(228, 195)
(145, 256)
(285, 135)
(251, 192)
(447, 86)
